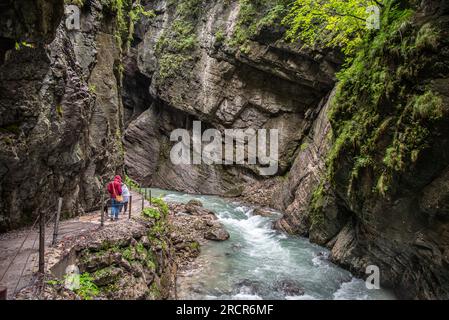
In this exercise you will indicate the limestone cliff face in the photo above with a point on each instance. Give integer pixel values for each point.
(305, 175)
(61, 115)
(28, 20)
(397, 201)
(204, 77)
(375, 191)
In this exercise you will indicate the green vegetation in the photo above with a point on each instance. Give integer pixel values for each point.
(169, 64)
(87, 288)
(136, 13)
(105, 272)
(13, 128)
(155, 291)
(92, 88)
(161, 210)
(126, 13)
(316, 206)
(253, 16)
(151, 265)
(428, 106)
(174, 46)
(194, 245)
(181, 38)
(128, 254)
(7, 141)
(140, 249)
(151, 213)
(23, 44)
(161, 204)
(382, 119)
(119, 143)
(131, 183)
(304, 146)
(220, 36)
(53, 282)
(427, 37)
(119, 9)
(158, 230)
(329, 23)
(59, 111)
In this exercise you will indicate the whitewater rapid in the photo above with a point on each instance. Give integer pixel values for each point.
(258, 262)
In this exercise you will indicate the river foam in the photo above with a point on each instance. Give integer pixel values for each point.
(258, 262)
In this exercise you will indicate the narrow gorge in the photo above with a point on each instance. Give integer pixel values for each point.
(363, 161)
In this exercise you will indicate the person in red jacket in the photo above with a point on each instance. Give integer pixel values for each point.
(115, 191)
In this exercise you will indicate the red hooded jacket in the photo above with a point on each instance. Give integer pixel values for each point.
(115, 187)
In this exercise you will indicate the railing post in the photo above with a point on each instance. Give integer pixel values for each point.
(58, 215)
(146, 193)
(130, 204)
(102, 208)
(41, 243)
(3, 292)
(150, 198)
(143, 201)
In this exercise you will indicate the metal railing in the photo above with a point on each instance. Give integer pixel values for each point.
(43, 224)
(106, 204)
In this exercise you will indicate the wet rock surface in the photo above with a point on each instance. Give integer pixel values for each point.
(277, 85)
(130, 259)
(133, 259)
(60, 110)
(29, 21)
(402, 231)
(289, 288)
(199, 221)
(218, 233)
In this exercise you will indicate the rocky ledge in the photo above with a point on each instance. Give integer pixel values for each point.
(192, 226)
(133, 259)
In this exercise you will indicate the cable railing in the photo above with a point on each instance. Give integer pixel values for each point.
(106, 206)
(43, 224)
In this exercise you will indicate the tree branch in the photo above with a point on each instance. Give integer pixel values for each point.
(347, 15)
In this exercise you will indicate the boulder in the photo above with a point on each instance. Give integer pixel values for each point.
(289, 288)
(217, 233)
(264, 212)
(195, 202)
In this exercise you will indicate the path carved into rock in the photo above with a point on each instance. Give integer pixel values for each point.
(17, 271)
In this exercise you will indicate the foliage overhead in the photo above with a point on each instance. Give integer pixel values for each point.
(330, 23)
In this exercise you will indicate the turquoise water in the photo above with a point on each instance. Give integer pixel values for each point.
(258, 262)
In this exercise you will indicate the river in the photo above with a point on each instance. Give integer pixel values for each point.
(258, 262)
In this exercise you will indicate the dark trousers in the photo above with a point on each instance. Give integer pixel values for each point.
(125, 206)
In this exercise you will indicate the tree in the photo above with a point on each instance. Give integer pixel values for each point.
(330, 23)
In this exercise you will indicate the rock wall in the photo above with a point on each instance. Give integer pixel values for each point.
(205, 77)
(375, 191)
(61, 112)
